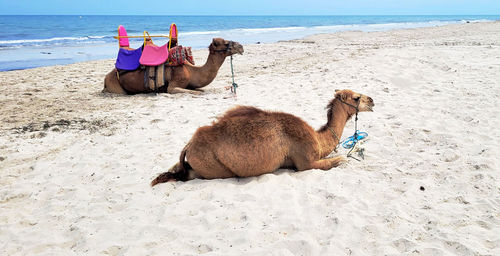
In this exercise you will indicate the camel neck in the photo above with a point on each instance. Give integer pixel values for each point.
(208, 71)
(329, 135)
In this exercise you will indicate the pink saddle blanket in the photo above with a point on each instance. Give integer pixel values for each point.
(154, 55)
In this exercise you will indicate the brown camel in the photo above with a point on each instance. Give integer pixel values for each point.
(247, 141)
(185, 78)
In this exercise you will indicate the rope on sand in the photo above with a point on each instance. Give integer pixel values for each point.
(234, 85)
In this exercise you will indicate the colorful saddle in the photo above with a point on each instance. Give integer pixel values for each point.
(122, 42)
(153, 55)
(172, 36)
(128, 59)
(180, 55)
(150, 54)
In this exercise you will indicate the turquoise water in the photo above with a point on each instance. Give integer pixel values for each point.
(34, 41)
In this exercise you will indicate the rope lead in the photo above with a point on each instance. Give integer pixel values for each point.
(235, 85)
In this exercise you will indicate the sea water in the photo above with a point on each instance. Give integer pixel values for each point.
(28, 41)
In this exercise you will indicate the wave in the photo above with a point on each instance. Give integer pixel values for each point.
(475, 21)
(193, 33)
(261, 30)
(297, 31)
(392, 25)
(333, 28)
(46, 40)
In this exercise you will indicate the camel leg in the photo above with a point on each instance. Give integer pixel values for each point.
(211, 170)
(171, 89)
(323, 164)
(111, 84)
(328, 163)
(206, 165)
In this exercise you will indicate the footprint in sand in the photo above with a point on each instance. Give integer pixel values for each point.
(403, 245)
(457, 248)
(449, 156)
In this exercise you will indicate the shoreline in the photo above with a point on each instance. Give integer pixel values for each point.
(75, 164)
(13, 59)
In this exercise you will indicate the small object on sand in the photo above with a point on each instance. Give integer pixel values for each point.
(351, 141)
(361, 154)
(357, 149)
(422, 188)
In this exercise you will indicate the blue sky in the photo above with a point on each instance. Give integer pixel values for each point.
(250, 7)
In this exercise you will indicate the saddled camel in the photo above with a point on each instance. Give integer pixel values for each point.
(247, 141)
(185, 78)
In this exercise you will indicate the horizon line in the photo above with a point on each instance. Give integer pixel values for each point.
(261, 15)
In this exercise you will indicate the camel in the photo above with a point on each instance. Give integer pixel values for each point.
(247, 141)
(186, 78)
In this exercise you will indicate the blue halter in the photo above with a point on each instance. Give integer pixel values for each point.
(351, 141)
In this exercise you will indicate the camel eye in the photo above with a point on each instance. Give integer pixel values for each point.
(356, 98)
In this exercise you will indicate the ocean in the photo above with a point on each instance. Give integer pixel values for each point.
(43, 40)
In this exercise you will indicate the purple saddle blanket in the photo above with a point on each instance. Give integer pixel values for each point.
(128, 59)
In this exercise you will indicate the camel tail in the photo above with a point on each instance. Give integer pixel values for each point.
(179, 172)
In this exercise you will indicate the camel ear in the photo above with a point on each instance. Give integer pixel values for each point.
(214, 42)
(337, 94)
(340, 95)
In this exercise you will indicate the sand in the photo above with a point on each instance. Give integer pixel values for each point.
(76, 163)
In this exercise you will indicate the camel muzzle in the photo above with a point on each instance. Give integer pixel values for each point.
(236, 48)
(370, 104)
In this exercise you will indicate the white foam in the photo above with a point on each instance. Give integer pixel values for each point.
(260, 30)
(201, 33)
(54, 39)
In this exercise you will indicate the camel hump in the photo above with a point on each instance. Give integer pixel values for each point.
(241, 111)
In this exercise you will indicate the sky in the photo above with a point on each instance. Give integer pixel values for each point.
(250, 7)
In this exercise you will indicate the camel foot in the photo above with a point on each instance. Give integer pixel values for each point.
(328, 163)
(112, 85)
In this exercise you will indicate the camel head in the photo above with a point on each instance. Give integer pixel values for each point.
(353, 100)
(226, 47)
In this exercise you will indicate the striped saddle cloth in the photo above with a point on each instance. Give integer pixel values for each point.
(180, 55)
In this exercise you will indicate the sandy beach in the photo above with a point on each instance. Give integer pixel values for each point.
(75, 163)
